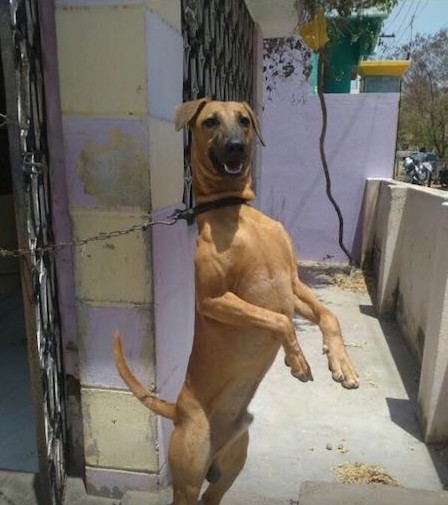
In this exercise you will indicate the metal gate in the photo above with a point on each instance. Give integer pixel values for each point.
(25, 119)
(218, 57)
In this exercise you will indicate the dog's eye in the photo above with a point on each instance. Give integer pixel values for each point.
(211, 122)
(244, 121)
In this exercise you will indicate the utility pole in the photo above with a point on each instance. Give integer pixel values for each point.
(411, 40)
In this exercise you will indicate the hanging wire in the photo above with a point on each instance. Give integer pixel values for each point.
(323, 157)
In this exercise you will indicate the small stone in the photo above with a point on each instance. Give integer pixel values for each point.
(329, 447)
(342, 449)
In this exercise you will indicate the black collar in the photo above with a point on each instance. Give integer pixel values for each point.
(190, 214)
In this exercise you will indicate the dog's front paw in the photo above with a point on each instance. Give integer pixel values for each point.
(341, 367)
(300, 369)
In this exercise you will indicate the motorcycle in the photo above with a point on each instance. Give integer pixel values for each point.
(443, 176)
(418, 172)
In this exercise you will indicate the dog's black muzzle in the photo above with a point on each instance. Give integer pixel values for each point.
(230, 158)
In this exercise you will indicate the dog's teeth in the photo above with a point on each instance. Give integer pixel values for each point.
(236, 170)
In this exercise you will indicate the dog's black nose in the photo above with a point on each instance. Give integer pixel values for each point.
(235, 146)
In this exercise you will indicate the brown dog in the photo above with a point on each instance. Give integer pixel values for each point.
(247, 290)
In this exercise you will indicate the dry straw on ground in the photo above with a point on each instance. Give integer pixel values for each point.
(361, 473)
(350, 282)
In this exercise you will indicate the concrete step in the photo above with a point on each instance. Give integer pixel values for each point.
(143, 498)
(18, 488)
(237, 498)
(21, 488)
(330, 493)
(75, 494)
(146, 498)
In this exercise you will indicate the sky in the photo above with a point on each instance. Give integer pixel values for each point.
(416, 16)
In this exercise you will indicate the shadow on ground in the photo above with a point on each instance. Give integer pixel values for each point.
(405, 412)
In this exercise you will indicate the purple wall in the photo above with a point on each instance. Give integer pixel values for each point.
(360, 143)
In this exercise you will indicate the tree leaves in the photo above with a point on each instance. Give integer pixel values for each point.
(423, 117)
(346, 8)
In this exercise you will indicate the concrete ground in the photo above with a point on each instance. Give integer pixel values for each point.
(329, 493)
(302, 432)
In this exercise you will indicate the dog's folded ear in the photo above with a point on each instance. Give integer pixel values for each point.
(255, 123)
(187, 111)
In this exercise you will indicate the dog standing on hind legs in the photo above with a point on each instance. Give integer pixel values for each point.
(247, 290)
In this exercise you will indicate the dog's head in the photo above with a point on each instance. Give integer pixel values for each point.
(222, 134)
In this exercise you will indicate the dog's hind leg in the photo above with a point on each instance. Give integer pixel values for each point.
(189, 459)
(230, 462)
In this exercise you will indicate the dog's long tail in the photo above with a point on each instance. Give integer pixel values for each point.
(157, 405)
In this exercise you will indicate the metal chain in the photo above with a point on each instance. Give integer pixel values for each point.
(16, 253)
(3, 120)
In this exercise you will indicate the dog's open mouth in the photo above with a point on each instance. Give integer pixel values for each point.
(230, 167)
(234, 167)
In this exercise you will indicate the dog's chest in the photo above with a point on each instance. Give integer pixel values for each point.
(254, 263)
(265, 286)
(260, 249)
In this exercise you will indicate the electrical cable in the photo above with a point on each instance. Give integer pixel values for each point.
(392, 21)
(405, 18)
(409, 26)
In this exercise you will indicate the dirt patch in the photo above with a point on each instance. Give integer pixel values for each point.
(361, 473)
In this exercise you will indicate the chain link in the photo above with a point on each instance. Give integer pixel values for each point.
(52, 248)
(3, 121)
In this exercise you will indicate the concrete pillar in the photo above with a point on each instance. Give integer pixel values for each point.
(172, 247)
(164, 52)
(258, 109)
(120, 76)
(391, 202)
(433, 391)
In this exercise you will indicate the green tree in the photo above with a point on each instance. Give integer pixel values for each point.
(348, 7)
(423, 119)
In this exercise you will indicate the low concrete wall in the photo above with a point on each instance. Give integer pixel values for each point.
(405, 241)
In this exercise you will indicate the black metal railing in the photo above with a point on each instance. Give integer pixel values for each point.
(218, 57)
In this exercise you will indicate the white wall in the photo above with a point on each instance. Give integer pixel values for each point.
(406, 241)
